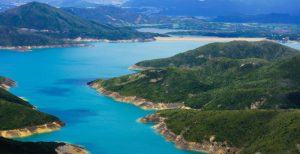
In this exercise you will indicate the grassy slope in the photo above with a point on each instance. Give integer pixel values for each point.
(14, 116)
(257, 131)
(14, 147)
(234, 50)
(220, 82)
(7, 96)
(13, 37)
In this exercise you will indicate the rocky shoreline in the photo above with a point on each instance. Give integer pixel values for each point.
(70, 149)
(142, 103)
(28, 131)
(8, 83)
(210, 147)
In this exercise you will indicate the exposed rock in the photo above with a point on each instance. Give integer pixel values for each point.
(210, 147)
(8, 83)
(257, 104)
(144, 104)
(28, 131)
(137, 68)
(155, 80)
(70, 149)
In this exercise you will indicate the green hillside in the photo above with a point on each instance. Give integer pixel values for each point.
(235, 50)
(39, 24)
(261, 79)
(253, 131)
(15, 147)
(16, 113)
(11, 36)
(7, 96)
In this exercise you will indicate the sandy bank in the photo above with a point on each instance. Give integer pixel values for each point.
(207, 39)
(28, 131)
(211, 147)
(142, 103)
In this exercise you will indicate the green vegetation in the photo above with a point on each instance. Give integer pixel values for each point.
(273, 131)
(7, 96)
(15, 147)
(234, 50)
(11, 36)
(52, 26)
(235, 75)
(15, 116)
(16, 113)
(2, 79)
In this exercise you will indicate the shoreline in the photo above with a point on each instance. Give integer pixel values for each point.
(139, 102)
(70, 149)
(79, 43)
(82, 42)
(208, 39)
(29, 131)
(209, 147)
(29, 48)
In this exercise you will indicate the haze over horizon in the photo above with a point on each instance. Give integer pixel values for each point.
(185, 7)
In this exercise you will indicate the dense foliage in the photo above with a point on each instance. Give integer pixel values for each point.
(235, 75)
(14, 116)
(7, 96)
(16, 113)
(235, 50)
(15, 147)
(273, 131)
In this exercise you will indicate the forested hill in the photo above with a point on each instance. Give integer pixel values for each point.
(41, 24)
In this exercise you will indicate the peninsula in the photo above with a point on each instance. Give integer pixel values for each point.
(243, 97)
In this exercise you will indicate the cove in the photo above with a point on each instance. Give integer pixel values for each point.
(55, 80)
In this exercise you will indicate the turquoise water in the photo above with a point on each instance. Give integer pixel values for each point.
(55, 80)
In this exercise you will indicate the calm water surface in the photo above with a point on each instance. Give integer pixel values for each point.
(55, 80)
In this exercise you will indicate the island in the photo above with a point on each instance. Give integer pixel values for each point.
(233, 97)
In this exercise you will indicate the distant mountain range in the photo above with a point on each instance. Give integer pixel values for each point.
(262, 18)
(53, 26)
(119, 16)
(217, 7)
(183, 7)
